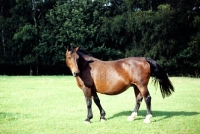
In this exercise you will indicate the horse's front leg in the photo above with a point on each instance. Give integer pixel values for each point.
(88, 98)
(89, 109)
(97, 102)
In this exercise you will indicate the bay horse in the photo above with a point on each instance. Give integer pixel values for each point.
(114, 77)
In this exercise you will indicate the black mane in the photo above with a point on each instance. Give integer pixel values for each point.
(83, 51)
(80, 51)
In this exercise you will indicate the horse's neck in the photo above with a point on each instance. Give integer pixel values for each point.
(84, 60)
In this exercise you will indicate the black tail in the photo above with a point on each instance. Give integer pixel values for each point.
(160, 75)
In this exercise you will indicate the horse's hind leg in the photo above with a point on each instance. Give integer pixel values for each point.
(139, 99)
(145, 93)
(97, 102)
(149, 113)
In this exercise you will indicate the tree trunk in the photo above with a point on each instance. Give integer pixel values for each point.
(2, 37)
(36, 34)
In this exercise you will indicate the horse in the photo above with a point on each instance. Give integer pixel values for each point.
(114, 77)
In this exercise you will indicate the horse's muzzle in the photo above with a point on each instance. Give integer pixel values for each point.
(75, 74)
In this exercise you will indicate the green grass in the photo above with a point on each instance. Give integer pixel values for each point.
(55, 105)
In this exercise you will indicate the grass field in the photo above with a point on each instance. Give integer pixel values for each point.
(55, 105)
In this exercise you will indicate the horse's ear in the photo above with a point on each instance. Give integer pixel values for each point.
(77, 48)
(67, 49)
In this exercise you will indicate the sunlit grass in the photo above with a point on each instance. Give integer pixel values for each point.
(55, 105)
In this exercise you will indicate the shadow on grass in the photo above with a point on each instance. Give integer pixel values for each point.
(6, 117)
(162, 114)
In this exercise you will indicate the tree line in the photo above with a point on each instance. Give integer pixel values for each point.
(35, 34)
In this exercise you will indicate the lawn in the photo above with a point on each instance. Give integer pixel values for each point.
(55, 105)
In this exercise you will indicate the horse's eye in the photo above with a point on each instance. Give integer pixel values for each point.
(69, 58)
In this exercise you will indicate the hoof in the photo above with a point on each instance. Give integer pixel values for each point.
(87, 122)
(147, 119)
(102, 120)
(132, 117)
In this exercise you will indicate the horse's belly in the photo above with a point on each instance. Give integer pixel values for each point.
(111, 77)
(113, 87)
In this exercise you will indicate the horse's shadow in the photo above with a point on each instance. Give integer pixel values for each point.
(162, 114)
(6, 117)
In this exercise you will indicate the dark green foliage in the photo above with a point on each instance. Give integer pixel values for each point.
(37, 37)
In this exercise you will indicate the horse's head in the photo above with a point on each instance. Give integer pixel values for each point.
(72, 61)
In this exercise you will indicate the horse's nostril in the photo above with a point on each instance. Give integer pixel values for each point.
(76, 74)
